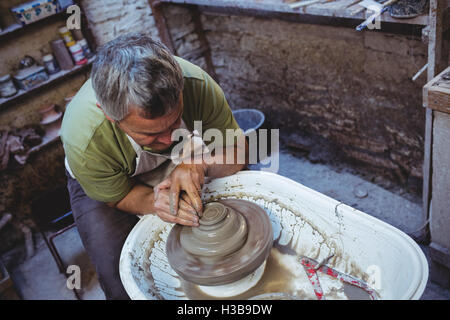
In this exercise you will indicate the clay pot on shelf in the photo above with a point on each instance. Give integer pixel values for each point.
(68, 99)
(51, 119)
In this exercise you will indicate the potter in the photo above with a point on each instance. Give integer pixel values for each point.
(117, 136)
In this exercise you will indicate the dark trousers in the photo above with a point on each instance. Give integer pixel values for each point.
(103, 231)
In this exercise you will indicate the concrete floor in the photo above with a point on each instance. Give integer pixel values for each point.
(38, 277)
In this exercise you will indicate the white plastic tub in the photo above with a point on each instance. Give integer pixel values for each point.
(313, 224)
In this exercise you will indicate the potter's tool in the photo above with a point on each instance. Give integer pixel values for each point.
(311, 267)
(233, 240)
(324, 261)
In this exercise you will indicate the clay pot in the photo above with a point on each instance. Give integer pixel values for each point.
(233, 240)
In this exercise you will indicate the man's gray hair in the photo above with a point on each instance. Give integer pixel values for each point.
(135, 70)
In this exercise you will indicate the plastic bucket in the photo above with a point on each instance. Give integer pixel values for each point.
(249, 119)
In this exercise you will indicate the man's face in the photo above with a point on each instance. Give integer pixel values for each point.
(153, 133)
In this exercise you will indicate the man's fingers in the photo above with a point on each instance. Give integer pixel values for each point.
(184, 205)
(196, 180)
(187, 215)
(166, 183)
(162, 185)
(186, 198)
(174, 197)
(182, 218)
(196, 200)
(201, 178)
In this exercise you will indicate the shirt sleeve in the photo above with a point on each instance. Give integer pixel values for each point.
(214, 111)
(100, 176)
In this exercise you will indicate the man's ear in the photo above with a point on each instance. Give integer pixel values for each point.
(107, 117)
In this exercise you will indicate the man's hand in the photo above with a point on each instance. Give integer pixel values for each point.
(184, 214)
(187, 180)
(190, 179)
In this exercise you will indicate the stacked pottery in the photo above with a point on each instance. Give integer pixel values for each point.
(51, 120)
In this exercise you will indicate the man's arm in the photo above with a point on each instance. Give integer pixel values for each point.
(144, 200)
(217, 170)
(189, 177)
(213, 110)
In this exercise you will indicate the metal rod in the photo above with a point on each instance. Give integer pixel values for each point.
(353, 3)
(324, 261)
(355, 12)
(417, 75)
(161, 25)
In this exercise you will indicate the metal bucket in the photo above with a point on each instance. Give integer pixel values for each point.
(310, 223)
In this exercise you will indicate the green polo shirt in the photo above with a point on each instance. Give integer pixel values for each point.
(99, 153)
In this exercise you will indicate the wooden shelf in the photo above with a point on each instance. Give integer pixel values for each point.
(22, 94)
(333, 9)
(47, 139)
(17, 27)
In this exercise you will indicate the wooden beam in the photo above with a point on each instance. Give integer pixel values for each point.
(161, 25)
(436, 93)
(435, 64)
(204, 42)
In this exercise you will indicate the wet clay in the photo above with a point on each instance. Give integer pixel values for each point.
(222, 231)
(276, 284)
(233, 240)
(276, 279)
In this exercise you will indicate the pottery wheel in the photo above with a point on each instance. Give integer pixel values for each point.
(234, 238)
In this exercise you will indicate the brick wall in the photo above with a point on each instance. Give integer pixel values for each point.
(327, 83)
(118, 17)
(45, 170)
(352, 89)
